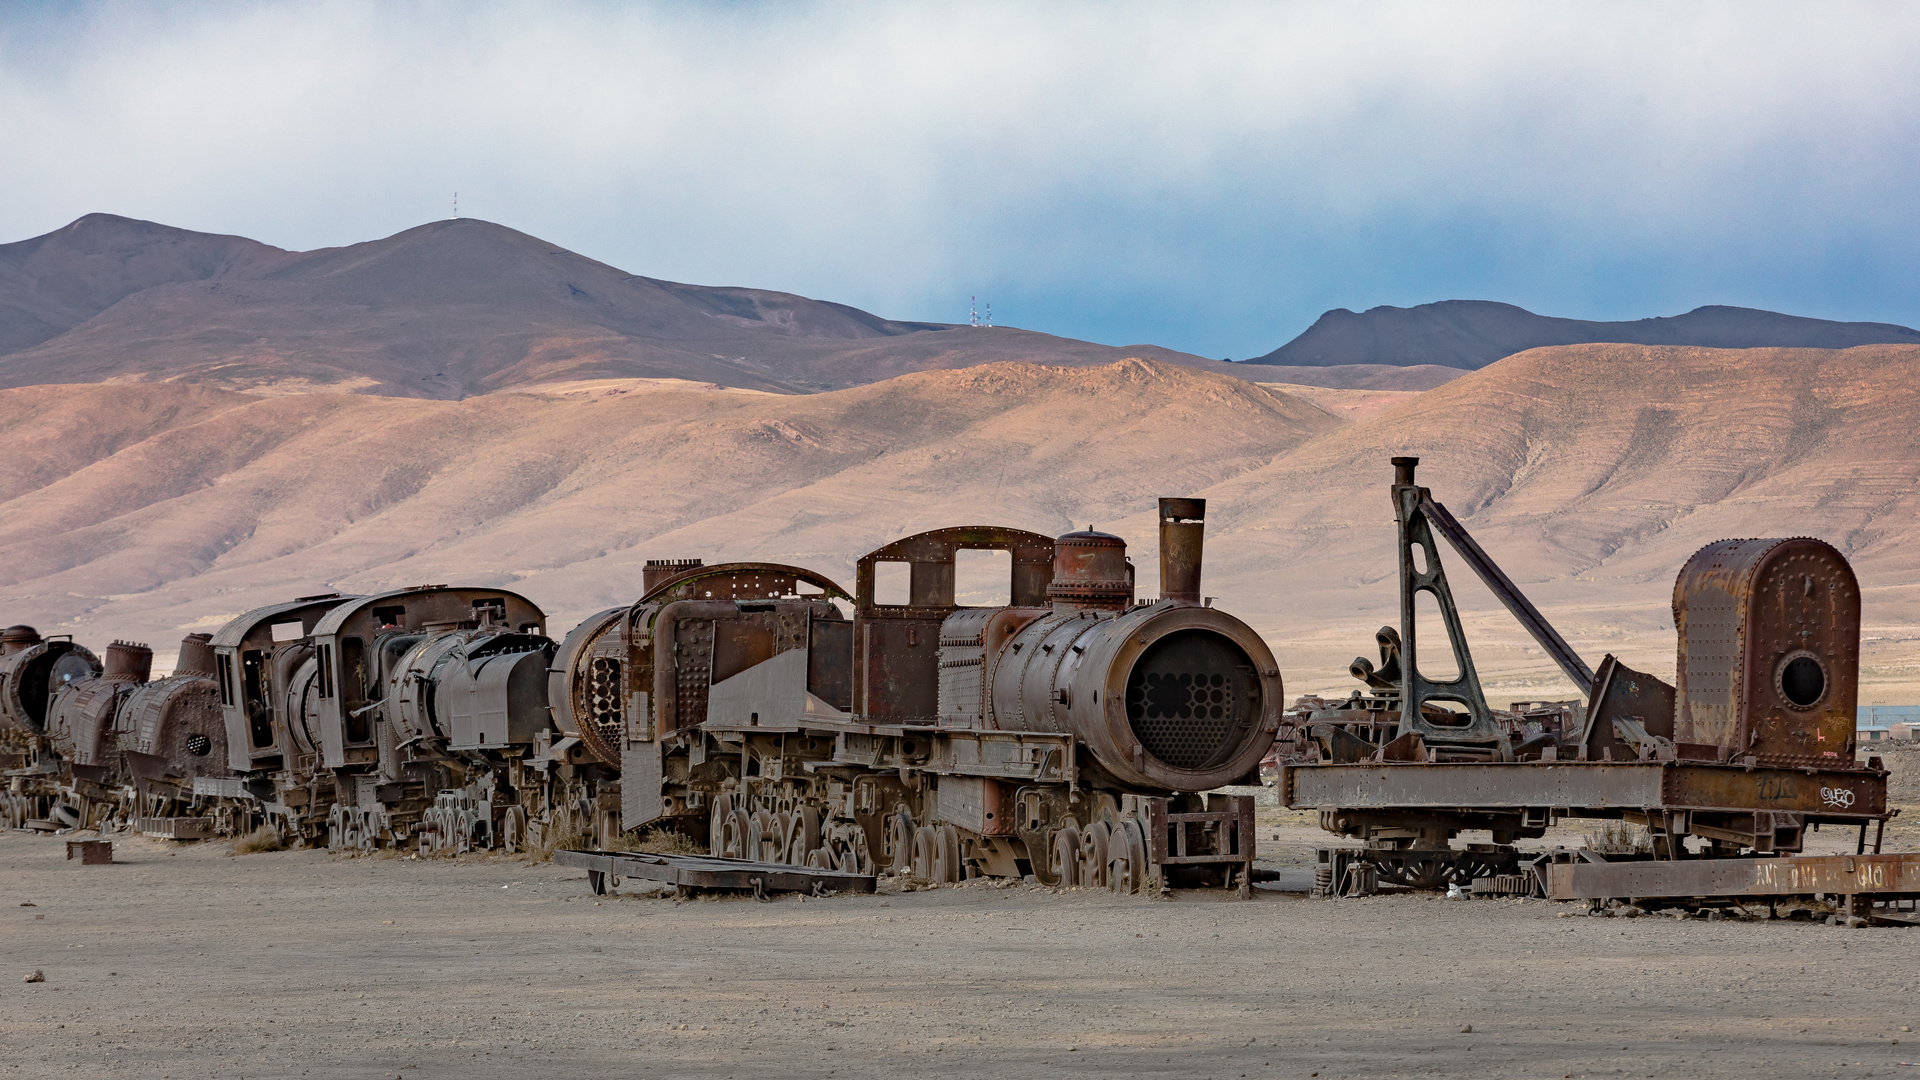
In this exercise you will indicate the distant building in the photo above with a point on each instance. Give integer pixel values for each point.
(1887, 723)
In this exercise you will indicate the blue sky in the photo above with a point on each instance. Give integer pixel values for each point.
(1206, 177)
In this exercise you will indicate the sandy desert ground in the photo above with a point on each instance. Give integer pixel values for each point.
(182, 960)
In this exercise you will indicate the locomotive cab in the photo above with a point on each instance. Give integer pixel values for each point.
(264, 665)
(360, 644)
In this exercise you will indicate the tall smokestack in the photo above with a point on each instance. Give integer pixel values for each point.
(1182, 524)
(128, 661)
(196, 655)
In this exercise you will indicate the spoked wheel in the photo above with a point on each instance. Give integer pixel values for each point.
(734, 834)
(759, 834)
(1126, 859)
(900, 844)
(925, 841)
(946, 856)
(718, 816)
(1063, 854)
(1093, 855)
(803, 835)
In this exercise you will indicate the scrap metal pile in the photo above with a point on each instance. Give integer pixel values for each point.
(1724, 771)
(1073, 734)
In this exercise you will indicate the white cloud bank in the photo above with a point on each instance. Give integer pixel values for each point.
(1208, 176)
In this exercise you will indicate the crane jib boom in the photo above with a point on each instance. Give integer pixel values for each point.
(1516, 602)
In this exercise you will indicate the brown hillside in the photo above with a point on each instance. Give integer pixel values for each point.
(188, 505)
(1591, 473)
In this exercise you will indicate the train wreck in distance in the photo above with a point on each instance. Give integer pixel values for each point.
(1071, 735)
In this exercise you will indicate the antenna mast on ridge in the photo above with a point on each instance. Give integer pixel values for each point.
(973, 311)
(456, 206)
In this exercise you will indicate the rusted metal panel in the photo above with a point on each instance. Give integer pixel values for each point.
(1583, 785)
(896, 661)
(687, 579)
(1769, 650)
(1620, 691)
(771, 695)
(1465, 784)
(976, 804)
(1010, 756)
(1799, 875)
(1833, 793)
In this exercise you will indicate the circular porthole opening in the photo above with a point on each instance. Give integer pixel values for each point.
(198, 745)
(1802, 681)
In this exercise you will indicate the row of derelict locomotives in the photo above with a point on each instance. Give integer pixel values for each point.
(759, 711)
(1074, 734)
(1722, 774)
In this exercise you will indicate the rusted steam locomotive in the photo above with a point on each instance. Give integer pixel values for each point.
(931, 738)
(1054, 735)
(100, 742)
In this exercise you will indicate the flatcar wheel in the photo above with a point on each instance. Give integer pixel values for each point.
(820, 859)
(946, 856)
(1093, 855)
(924, 842)
(1063, 854)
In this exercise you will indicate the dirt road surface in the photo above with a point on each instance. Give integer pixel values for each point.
(183, 961)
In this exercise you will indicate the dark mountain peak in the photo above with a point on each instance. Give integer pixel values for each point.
(1471, 334)
(56, 281)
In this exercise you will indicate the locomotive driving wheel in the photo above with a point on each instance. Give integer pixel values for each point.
(1126, 858)
(1093, 855)
(900, 843)
(946, 856)
(1063, 855)
(720, 814)
(803, 835)
(925, 841)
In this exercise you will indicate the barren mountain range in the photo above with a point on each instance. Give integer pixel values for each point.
(455, 308)
(144, 501)
(1471, 334)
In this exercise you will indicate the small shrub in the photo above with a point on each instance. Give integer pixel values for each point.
(264, 838)
(659, 841)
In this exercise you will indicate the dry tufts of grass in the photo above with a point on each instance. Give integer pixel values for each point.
(567, 834)
(663, 842)
(264, 838)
